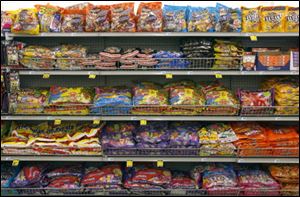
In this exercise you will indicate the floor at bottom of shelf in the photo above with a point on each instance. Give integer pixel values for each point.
(147, 159)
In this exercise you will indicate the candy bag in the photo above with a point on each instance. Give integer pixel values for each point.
(257, 98)
(219, 177)
(174, 18)
(98, 18)
(61, 95)
(29, 176)
(201, 19)
(228, 19)
(292, 19)
(277, 134)
(250, 20)
(149, 17)
(112, 96)
(273, 18)
(73, 20)
(7, 19)
(256, 179)
(49, 17)
(26, 22)
(122, 17)
(181, 180)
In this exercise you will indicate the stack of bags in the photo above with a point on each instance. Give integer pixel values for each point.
(286, 95)
(70, 56)
(109, 58)
(134, 58)
(216, 139)
(171, 60)
(288, 177)
(227, 55)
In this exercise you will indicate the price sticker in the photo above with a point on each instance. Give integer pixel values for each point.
(169, 76)
(96, 122)
(92, 76)
(253, 38)
(57, 122)
(160, 163)
(219, 76)
(46, 76)
(15, 162)
(143, 122)
(129, 163)
(2, 78)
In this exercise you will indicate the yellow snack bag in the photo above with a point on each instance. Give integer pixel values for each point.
(292, 19)
(273, 18)
(26, 22)
(250, 19)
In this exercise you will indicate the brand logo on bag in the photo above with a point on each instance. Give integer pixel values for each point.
(273, 17)
(252, 17)
(293, 17)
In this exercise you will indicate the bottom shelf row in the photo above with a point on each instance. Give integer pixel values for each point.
(210, 179)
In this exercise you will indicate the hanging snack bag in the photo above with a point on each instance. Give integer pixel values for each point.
(49, 17)
(122, 17)
(228, 19)
(273, 19)
(250, 19)
(98, 18)
(201, 19)
(174, 18)
(149, 17)
(292, 19)
(26, 22)
(73, 20)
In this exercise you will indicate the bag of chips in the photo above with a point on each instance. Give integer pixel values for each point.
(26, 22)
(174, 18)
(149, 17)
(273, 18)
(49, 17)
(292, 19)
(98, 18)
(250, 19)
(122, 17)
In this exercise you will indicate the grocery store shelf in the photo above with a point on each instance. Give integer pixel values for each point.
(150, 72)
(149, 118)
(147, 159)
(159, 34)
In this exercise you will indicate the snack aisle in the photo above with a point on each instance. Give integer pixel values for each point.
(150, 99)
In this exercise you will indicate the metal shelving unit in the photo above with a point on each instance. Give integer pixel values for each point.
(149, 118)
(146, 159)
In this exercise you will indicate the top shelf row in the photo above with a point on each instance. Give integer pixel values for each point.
(150, 34)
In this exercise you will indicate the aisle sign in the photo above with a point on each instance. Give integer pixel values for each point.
(57, 122)
(160, 163)
(129, 163)
(46, 76)
(15, 162)
(143, 122)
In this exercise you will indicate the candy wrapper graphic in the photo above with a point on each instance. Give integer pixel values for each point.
(273, 18)
(251, 20)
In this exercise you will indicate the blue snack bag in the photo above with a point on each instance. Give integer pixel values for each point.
(174, 18)
(228, 19)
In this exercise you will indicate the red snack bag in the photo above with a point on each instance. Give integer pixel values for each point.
(98, 18)
(277, 134)
(122, 17)
(149, 17)
(152, 176)
(73, 20)
(67, 182)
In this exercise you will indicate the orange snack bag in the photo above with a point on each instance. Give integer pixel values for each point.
(276, 134)
(98, 18)
(73, 20)
(122, 17)
(149, 17)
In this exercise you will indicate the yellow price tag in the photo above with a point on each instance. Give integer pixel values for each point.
(46, 76)
(129, 164)
(96, 122)
(143, 122)
(92, 76)
(219, 76)
(57, 122)
(2, 78)
(15, 162)
(169, 76)
(160, 163)
(253, 38)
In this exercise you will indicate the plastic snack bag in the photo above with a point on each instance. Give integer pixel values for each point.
(98, 18)
(292, 19)
(250, 20)
(174, 18)
(7, 19)
(26, 22)
(123, 19)
(201, 19)
(149, 17)
(273, 18)
(228, 19)
(73, 20)
(49, 17)
(257, 98)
